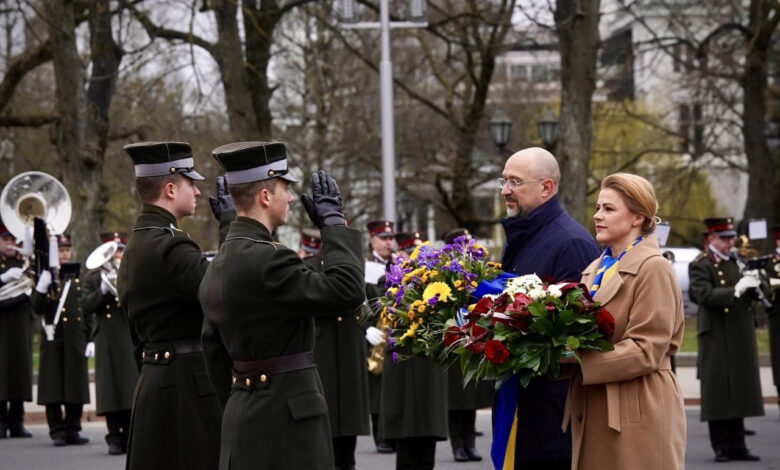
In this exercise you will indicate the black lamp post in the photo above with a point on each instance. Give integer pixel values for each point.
(500, 128)
(548, 128)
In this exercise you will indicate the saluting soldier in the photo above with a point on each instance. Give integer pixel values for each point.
(175, 418)
(728, 356)
(340, 354)
(115, 369)
(260, 301)
(381, 244)
(62, 373)
(15, 343)
(463, 402)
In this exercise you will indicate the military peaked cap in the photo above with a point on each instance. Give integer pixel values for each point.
(64, 240)
(408, 241)
(450, 236)
(380, 228)
(310, 240)
(720, 226)
(246, 162)
(162, 158)
(119, 237)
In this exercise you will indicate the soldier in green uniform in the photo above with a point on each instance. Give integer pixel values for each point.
(340, 352)
(175, 418)
(15, 343)
(115, 369)
(728, 356)
(62, 373)
(381, 244)
(464, 401)
(774, 312)
(260, 301)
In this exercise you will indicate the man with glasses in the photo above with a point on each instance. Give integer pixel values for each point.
(728, 359)
(541, 238)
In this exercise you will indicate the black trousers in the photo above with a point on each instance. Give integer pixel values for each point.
(118, 424)
(375, 431)
(728, 435)
(415, 453)
(61, 425)
(11, 412)
(344, 451)
(462, 430)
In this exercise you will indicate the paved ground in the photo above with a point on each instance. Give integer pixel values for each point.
(38, 453)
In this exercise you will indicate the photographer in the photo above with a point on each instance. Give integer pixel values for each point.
(728, 357)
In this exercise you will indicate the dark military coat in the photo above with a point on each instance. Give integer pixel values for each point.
(340, 354)
(175, 420)
(373, 291)
(728, 356)
(473, 396)
(15, 342)
(260, 301)
(774, 321)
(115, 369)
(62, 370)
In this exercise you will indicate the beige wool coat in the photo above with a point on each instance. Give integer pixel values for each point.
(626, 407)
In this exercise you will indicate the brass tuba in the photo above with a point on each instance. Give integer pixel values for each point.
(27, 196)
(102, 258)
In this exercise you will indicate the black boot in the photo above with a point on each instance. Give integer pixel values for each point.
(3, 431)
(18, 430)
(114, 442)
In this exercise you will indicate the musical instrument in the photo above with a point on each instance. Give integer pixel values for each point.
(28, 196)
(103, 258)
(376, 357)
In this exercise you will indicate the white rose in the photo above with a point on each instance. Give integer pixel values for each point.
(536, 293)
(554, 291)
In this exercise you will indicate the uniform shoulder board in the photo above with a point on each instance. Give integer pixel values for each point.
(700, 257)
(264, 242)
(150, 227)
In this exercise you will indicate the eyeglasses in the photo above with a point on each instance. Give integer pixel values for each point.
(514, 183)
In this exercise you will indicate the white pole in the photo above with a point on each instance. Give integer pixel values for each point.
(386, 106)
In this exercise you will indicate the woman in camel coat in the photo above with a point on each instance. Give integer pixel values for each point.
(625, 406)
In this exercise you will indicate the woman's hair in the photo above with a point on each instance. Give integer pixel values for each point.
(639, 196)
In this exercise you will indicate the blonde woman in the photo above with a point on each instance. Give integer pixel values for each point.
(625, 407)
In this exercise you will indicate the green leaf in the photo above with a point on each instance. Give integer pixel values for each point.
(542, 326)
(537, 310)
(573, 342)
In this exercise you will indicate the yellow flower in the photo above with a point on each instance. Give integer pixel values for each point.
(410, 314)
(457, 283)
(392, 290)
(437, 288)
(410, 332)
(421, 308)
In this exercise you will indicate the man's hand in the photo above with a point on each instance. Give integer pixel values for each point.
(11, 275)
(744, 284)
(324, 206)
(89, 351)
(374, 335)
(223, 203)
(44, 282)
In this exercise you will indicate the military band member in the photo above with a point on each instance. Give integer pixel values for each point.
(381, 244)
(115, 369)
(728, 356)
(175, 419)
(260, 301)
(463, 402)
(62, 373)
(340, 352)
(408, 241)
(15, 343)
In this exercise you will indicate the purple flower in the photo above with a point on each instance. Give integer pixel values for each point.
(395, 358)
(390, 341)
(432, 301)
(394, 275)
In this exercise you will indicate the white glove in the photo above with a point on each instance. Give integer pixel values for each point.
(774, 282)
(747, 282)
(11, 275)
(44, 282)
(374, 335)
(89, 351)
(49, 330)
(105, 287)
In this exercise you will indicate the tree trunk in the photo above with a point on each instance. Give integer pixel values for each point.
(259, 24)
(577, 25)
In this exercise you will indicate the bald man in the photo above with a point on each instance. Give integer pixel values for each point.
(541, 238)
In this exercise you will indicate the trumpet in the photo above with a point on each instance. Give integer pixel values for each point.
(103, 258)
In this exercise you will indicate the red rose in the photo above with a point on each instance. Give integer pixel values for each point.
(452, 335)
(476, 347)
(606, 322)
(484, 304)
(496, 352)
(478, 333)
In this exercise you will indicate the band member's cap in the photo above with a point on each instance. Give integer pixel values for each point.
(4, 231)
(450, 236)
(380, 228)
(246, 162)
(776, 229)
(310, 240)
(408, 241)
(119, 237)
(720, 226)
(64, 240)
(163, 158)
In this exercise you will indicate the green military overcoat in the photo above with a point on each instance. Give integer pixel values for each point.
(340, 354)
(474, 396)
(62, 370)
(414, 399)
(728, 356)
(175, 419)
(260, 301)
(115, 369)
(15, 342)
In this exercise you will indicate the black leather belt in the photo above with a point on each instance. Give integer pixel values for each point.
(250, 373)
(163, 353)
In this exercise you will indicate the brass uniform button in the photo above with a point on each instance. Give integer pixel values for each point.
(143, 355)
(167, 355)
(108, 315)
(64, 309)
(726, 310)
(77, 281)
(263, 378)
(339, 318)
(720, 273)
(248, 382)
(234, 379)
(156, 356)
(722, 281)
(65, 319)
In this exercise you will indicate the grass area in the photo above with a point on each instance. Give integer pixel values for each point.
(690, 343)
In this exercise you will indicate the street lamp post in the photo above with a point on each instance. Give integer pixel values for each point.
(548, 128)
(417, 7)
(500, 129)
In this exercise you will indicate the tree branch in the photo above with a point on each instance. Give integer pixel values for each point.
(32, 120)
(19, 66)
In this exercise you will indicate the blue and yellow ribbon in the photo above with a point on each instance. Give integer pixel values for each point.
(608, 267)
